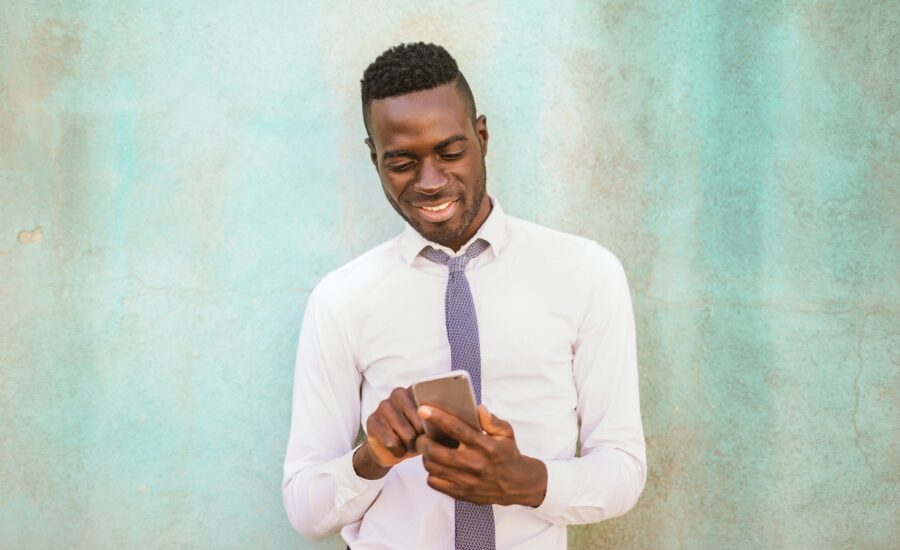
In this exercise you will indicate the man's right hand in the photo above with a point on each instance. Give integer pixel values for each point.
(392, 431)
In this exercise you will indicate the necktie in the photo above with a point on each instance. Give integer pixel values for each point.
(474, 522)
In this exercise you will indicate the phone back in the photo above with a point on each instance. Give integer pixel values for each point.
(451, 393)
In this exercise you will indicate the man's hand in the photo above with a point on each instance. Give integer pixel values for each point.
(392, 431)
(486, 468)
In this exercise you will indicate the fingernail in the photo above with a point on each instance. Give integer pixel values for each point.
(425, 411)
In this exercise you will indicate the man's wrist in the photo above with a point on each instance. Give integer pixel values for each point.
(537, 475)
(365, 466)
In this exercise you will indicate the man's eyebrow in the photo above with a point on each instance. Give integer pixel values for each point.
(449, 140)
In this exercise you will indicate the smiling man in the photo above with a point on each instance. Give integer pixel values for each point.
(541, 320)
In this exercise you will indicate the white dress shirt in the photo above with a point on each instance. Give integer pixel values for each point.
(558, 353)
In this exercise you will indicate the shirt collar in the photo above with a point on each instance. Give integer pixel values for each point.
(493, 230)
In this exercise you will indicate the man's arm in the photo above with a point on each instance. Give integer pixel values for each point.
(606, 480)
(608, 477)
(321, 490)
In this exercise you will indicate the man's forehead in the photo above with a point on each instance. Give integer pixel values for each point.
(440, 107)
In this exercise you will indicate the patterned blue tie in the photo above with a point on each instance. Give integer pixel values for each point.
(474, 522)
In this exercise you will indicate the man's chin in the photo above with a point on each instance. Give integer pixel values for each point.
(441, 236)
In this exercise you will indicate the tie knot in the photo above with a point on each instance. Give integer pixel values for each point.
(456, 263)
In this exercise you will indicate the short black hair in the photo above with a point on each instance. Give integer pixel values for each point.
(412, 67)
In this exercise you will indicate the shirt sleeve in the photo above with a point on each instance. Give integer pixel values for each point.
(606, 480)
(320, 489)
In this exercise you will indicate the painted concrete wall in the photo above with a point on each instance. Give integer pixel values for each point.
(174, 180)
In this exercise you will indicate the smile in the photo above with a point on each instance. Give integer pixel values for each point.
(439, 212)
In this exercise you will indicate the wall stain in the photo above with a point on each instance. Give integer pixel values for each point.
(46, 57)
(34, 236)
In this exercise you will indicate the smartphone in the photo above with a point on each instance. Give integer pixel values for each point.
(451, 392)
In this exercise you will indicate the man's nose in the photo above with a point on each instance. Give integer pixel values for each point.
(431, 178)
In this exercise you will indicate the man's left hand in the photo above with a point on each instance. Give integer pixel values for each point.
(487, 467)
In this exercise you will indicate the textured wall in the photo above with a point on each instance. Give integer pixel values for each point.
(174, 180)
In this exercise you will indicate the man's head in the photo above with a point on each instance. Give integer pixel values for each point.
(426, 142)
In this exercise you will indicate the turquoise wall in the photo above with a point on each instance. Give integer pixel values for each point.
(174, 180)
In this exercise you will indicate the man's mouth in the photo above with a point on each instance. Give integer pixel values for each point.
(438, 212)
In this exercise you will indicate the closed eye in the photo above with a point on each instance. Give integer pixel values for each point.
(453, 156)
(400, 167)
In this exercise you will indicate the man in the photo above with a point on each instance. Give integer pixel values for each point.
(542, 321)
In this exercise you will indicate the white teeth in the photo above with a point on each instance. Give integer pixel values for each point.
(436, 208)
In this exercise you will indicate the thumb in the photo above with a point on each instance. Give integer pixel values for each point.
(493, 425)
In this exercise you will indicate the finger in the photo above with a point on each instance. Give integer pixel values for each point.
(444, 486)
(453, 490)
(399, 424)
(493, 425)
(435, 451)
(379, 454)
(452, 426)
(461, 478)
(385, 436)
(461, 459)
(408, 406)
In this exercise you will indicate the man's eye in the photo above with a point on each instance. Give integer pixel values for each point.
(400, 167)
(453, 156)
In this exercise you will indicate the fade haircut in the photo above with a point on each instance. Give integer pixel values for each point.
(411, 68)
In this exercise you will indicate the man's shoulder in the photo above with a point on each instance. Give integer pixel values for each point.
(362, 272)
(559, 248)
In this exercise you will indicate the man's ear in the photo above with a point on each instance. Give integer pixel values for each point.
(482, 132)
(372, 154)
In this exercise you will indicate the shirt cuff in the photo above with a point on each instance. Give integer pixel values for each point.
(350, 485)
(560, 488)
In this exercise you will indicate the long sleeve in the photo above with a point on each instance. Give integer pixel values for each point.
(321, 490)
(606, 480)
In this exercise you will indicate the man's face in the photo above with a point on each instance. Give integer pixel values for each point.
(430, 159)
